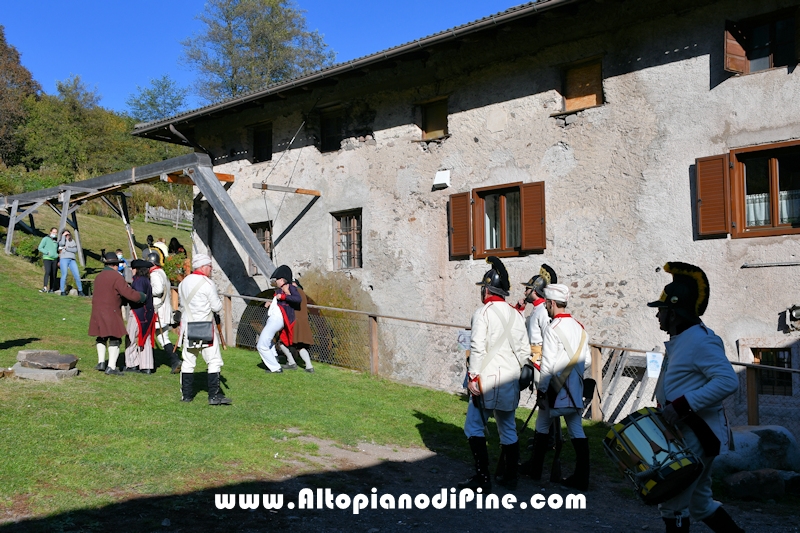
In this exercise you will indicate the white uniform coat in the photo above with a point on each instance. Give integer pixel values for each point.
(203, 304)
(537, 322)
(162, 301)
(498, 328)
(695, 366)
(555, 359)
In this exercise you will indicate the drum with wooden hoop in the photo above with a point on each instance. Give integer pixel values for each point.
(652, 454)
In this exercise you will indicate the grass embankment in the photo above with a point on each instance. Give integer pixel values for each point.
(95, 439)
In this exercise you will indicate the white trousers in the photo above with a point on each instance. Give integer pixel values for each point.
(266, 343)
(572, 418)
(211, 355)
(506, 425)
(697, 499)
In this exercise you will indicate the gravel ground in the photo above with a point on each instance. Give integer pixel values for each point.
(610, 503)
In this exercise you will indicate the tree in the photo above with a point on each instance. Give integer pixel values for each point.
(162, 99)
(16, 84)
(248, 44)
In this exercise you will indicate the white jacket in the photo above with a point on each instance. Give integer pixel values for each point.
(555, 359)
(537, 322)
(695, 367)
(498, 328)
(204, 303)
(162, 300)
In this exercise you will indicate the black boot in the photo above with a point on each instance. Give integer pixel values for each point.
(677, 525)
(580, 478)
(533, 466)
(509, 477)
(187, 387)
(721, 522)
(215, 396)
(480, 454)
(174, 361)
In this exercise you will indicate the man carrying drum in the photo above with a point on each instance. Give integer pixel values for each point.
(695, 378)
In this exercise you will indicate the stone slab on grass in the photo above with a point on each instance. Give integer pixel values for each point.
(43, 374)
(46, 359)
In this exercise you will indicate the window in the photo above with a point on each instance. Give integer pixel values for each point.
(263, 232)
(760, 43)
(750, 192)
(505, 221)
(774, 382)
(262, 143)
(583, 86)
(347, 248)
(331, 130)
(434, 120)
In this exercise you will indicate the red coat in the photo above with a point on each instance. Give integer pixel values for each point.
(110, 290)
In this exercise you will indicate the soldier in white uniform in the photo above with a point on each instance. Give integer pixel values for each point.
(499, 347)
(695, 378)
(200, 302)
(538, 320)
(565, 356)
(162, 302)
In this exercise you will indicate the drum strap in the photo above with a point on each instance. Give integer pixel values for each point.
(558, 381)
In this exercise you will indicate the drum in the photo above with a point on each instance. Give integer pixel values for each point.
(652, 455)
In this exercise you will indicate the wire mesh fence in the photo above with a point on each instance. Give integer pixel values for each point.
(433, 355)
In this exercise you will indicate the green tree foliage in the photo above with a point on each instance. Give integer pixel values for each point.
(164, 98)
(248, 44)
(16, 84)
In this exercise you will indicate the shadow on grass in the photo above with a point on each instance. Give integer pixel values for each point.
(17, 343)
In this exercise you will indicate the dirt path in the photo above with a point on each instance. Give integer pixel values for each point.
(610, 505)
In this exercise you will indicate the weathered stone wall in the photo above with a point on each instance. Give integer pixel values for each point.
(618, 177)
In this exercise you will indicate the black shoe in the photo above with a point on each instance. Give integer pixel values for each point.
(113, 372)
(721, 522)
(101, 366)
(508, 478)
(580, 478)
(64, 293)
(481, 479)
(309, 369)
(274, 371)
(289, 367)
(80, 293)
(147, 371)
(130, 369)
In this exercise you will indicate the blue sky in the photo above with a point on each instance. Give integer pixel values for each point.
(116, 46)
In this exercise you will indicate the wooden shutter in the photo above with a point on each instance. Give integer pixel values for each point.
(583, 87)
(735, 55)
(460, 224)
(713, 199)
(434, 118)
(531, 199)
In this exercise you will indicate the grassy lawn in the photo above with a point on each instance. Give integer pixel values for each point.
(96, 439)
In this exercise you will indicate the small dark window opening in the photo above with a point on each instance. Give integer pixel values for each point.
(331, 131)
(434, 120)
(774, 382)
(263, 233)
(760, 44)
(262, 143)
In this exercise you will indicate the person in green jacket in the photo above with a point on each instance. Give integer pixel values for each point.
(49, 250)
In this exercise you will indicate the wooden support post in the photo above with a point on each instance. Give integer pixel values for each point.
(78, 238)
(30, 220)
(62, 225)
(11, 223)
(123, 209)
(227, 311)
(146, 205)
(373, 345)
(751, 375)
(597, 376)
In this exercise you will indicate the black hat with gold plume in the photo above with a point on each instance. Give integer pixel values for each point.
(541, 280)
(688, 293)
(496, 278)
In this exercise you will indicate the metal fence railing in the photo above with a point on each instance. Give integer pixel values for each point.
(430, 354)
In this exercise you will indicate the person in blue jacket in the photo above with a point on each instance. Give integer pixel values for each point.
(695, 378)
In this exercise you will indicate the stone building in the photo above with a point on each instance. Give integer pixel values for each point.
(603, 137)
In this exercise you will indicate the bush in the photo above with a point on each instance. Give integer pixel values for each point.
(175, 268)
(27, 246)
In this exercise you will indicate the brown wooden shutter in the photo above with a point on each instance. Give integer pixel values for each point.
(460, 224)
(713, 198)
(735, 55)
(531, 198)
(583, 87)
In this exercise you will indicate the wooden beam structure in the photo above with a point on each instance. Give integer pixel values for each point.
(181, 178)
(279, 188)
